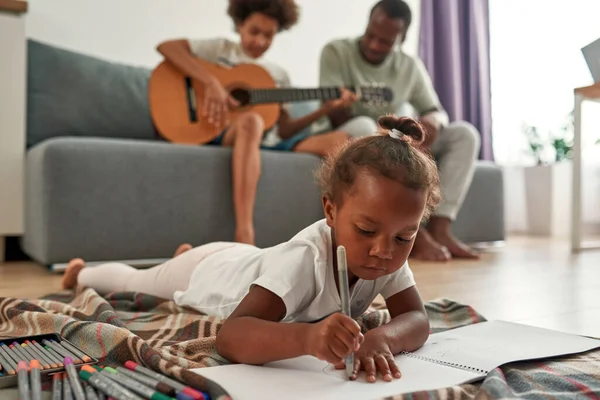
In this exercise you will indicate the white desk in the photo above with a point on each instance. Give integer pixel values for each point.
(589, 93)
(13, 74)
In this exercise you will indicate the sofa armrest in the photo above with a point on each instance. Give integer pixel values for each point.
(481, 218)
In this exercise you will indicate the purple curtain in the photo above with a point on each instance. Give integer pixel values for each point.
(455, 48)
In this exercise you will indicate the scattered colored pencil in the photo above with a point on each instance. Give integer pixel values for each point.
(28, 359)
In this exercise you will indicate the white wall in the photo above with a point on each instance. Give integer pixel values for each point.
(129, 30)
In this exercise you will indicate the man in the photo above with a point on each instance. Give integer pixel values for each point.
(376, 57)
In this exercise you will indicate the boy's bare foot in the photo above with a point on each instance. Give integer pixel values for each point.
(440, 231)
(182, 249)
(428, 249)
(69, 280)
(245, 236)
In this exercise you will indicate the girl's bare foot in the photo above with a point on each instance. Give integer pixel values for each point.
(182, 249)
(69, 280)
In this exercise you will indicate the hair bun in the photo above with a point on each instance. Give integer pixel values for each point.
(406, 125)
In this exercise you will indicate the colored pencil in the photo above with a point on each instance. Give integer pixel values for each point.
(36, 380)
(17, 350)
(23, 381)
(67, 390)
(65, 352)
(34, 356)
(57, 389)
(55, 358)
(76, 351)
(133, 385)
(108, 386)
(73, 380)
(41, 354)
(7, 365)
(62, 351)
(7, 356)
(177, 385)
(148, 381)
(90, 393)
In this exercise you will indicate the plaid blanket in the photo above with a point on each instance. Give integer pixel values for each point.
(171, 339)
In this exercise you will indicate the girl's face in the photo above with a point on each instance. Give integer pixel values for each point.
(257, 33)
(377, 224)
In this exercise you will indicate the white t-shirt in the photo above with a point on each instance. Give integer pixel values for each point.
(299, 271)
(226, 52)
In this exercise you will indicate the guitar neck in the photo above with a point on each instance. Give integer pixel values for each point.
(283, 95)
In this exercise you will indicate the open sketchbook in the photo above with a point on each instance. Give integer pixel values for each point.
(448, 358)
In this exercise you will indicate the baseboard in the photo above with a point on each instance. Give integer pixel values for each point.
(146, 263)
(591, 228)
(488, 245)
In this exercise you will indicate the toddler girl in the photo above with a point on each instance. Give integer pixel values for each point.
(283, 301)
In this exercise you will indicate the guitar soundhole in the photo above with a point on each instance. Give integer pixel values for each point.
(241, 95)
(191, 100)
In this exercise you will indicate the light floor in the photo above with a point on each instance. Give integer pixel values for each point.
(529, 280)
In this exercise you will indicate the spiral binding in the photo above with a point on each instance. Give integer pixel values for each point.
(446, 363)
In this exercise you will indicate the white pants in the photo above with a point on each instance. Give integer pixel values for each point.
(359, 127)
(455, 149)
(162, 280)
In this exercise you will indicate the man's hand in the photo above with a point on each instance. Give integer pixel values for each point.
(346, 99)
(374, 355)
(430, 134)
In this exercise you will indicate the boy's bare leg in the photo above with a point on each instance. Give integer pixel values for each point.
(322, 144)
(245, 135)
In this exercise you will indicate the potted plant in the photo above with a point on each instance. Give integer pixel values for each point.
(548, 182)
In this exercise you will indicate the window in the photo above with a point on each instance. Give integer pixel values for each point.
(536, 62)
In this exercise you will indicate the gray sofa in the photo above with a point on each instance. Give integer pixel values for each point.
(99, 185)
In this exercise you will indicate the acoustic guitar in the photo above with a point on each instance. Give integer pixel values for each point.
(176, 101)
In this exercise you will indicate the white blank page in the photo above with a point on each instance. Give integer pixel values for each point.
(490, 344)
(309, 378)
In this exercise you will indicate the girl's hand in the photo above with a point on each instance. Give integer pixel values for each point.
(334, 338)
(374, 355)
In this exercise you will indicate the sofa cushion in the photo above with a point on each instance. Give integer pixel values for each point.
(122, 199)
(72, 94)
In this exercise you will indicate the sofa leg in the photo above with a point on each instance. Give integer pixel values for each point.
(2, 249)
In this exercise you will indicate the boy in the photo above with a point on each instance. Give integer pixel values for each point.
(257, 23)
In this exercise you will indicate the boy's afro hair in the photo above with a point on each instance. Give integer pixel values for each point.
(285, 12)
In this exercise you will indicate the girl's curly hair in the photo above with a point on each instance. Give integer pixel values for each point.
(393, 153)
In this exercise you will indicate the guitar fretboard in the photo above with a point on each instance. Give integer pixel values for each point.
(258, 96)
